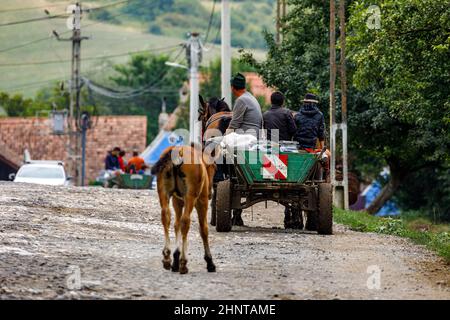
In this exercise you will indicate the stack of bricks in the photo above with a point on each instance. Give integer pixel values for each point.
(35, 134)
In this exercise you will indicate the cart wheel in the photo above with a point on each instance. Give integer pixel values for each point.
(311, 221)
(213, 206)
(223, 206)
(325, 216)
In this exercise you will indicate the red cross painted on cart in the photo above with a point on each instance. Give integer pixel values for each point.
(275, 166)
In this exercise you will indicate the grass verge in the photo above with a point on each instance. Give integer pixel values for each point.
(420, 231)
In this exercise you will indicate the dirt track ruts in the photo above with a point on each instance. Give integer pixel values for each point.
(115, 239)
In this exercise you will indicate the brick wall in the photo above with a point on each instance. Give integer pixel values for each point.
(34, 134)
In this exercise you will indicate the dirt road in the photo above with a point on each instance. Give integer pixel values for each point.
(113, 240)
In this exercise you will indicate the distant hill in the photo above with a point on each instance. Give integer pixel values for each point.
(175, 17)
(31, 58)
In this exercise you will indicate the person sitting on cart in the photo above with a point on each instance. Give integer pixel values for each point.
(247, 116)
(246, 119)
(136, 164)
(310, 124)
(112, 160)
(121, 159)
(311, 129)
(279, 118)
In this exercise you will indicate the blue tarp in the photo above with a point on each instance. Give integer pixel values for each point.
(162, 141)
(371, 192)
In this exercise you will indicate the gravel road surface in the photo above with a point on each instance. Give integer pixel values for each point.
(95, 243)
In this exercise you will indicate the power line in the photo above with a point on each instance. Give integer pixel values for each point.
(60, 15)
(34, 20)
(151, 88)
(31, 84)
(51, 36)
(115, 94)
(211, 18)
(110, 5)
(32, 8)
(5, 65)
(26, 44)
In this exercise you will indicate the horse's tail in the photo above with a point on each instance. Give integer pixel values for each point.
(162, 162)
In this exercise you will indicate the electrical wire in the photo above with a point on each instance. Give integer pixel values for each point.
(5, 65)
(34, 20)
(110, 5)
(59, 15)
(31, 84)
(211, 19)
(51, 36)
(32, 8)
(151, 88)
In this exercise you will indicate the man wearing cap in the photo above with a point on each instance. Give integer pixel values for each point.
(247, 115)
(247, 118)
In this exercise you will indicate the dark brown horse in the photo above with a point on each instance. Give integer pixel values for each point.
(214, 115)
(185, 176)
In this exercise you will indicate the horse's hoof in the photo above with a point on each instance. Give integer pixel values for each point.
(211, 268)
(166, 264)
(175, 268)
(184, 270)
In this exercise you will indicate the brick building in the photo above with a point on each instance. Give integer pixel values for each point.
(34, 134)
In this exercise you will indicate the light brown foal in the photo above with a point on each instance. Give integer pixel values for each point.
(185, 176)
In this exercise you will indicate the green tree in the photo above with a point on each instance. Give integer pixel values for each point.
(16, 105)
(403, 71)
(399, 106)
(300, 63)
(152, 81)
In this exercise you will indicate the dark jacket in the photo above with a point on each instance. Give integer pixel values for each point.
(111, 162)
(310, 126)
(279, 118)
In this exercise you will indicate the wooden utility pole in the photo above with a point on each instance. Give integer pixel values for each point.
(281, 14)
(332, 46)
(74, 131)
(343, 69)
(340, 188)
(75, 89)
(278, 22)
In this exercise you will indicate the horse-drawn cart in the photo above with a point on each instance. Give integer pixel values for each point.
(129, 181)
(293, 179)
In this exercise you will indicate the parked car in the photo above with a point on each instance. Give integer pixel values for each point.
(43, 172)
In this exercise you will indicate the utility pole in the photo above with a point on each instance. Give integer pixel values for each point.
(85, 124)
(226, 51)
(343, 69)
(194, 57)
(281, 14)
(340, 188)
(278, 23)
(73, 122)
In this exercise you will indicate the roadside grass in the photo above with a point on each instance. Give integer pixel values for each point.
(420, 230)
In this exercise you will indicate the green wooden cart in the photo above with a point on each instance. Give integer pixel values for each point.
(131, 181)
(293, 179)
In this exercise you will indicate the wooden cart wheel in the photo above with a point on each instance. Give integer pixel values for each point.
(223, 206)
(325, 216)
